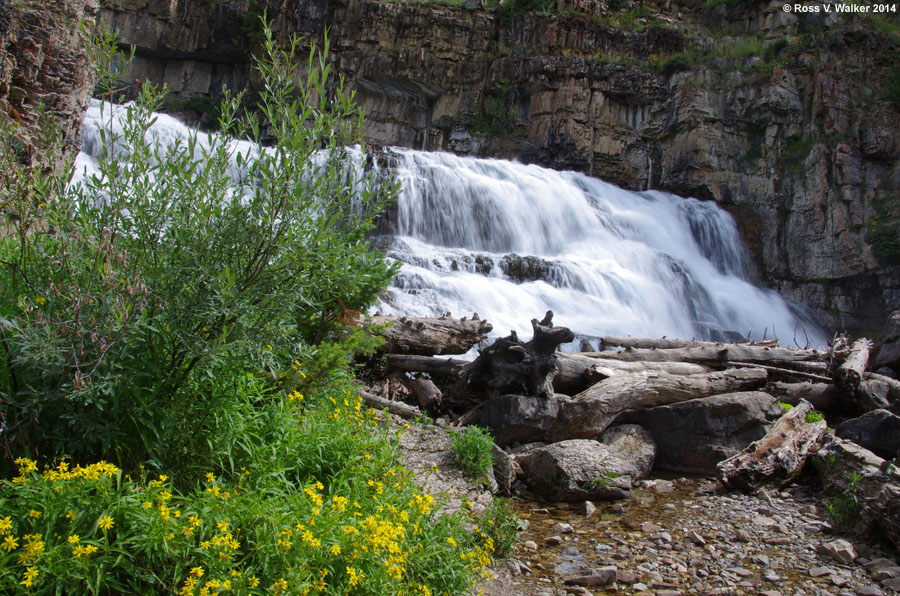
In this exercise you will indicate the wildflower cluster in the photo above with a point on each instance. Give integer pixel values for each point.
(360, 528)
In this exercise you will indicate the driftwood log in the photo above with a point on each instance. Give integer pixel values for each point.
(394, 407)
(447, 367)
(778, 456)
(720, 353)
(577, 372)
(587, 414)
(427, 336)
(511, 366)
(627, 341)
(850, 373)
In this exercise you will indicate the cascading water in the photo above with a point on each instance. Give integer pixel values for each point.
(510, 241)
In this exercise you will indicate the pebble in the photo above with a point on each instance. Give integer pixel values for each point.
(728, 544)
(562, 528)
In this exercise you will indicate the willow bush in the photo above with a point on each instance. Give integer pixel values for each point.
(130, 301)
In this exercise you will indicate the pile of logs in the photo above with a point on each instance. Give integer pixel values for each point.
(578, 395)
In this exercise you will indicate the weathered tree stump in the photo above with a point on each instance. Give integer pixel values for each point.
(511, 366)
(427, 336)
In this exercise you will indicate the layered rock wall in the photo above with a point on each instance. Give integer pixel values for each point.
(782, 119)
(43, 64)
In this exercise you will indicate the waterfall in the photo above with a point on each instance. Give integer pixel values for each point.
(510, 241)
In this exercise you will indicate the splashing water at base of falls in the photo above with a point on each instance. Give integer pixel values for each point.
(510, 241)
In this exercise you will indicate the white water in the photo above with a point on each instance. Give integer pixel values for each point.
(618, 262)
(612, 261)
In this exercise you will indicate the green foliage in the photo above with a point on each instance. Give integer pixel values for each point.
(128, 302)
(676, 63)
(844, 508)
(501, 525)
(473, 450)
(814, 416)
(494, 116)
(883, 234)
(320, 505)
(787, 407)
(602, 481)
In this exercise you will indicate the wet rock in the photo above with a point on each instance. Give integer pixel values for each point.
(869, 591)
(602, 576)
(693, 436)
(553, 540)
(529, 545)
(519, 418)
(878, 431)
(588, 509)
(634, 444)
(819, 571)
(576, 470)
(561, 528)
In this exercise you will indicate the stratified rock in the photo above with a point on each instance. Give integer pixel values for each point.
(576, 470)
(519, 418)
(877, 431)
(889, 344)
(693, 436)
(633, 443)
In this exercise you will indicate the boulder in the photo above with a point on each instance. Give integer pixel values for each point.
(877, 431)
(693, 436)
(634, 444)
(519, 418)
(577, 470)
(865, 487)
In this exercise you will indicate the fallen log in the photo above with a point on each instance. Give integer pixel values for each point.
(447, 367)
(778, 456)
(588, 414)
(511, 366)
(655, 343)
(428, 336)
(720, 354)
(427, 394)
(782, 370)
(577, 372)
(825, 397)
(850, 373)
(394, 407)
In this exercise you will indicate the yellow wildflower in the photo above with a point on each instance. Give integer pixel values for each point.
(105, 523)
(210, 477)
(9, 543)
(197, 572)
(28, 577)
(34, 514)
(253, 581)
(335, 549)
(70, 516)
(73, 539)
(84, 550)
(5, 525)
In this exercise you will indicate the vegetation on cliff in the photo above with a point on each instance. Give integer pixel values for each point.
(175, 379)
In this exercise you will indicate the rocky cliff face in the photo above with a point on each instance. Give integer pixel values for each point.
(789, 121)
(43, 62)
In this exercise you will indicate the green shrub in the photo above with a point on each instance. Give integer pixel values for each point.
(786, 406)
(501, 525)
(127, 303)
(472, 448)
(349, 520)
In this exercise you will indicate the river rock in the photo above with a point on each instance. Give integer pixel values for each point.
(634, 444)
(877, 431)
(519, 418)
(576, 470)
(693, 436)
